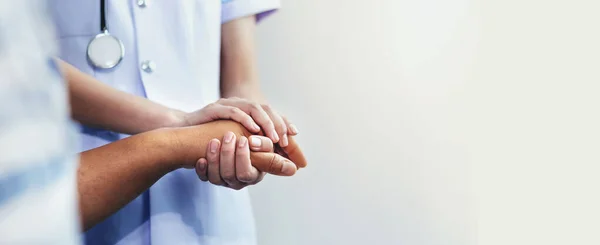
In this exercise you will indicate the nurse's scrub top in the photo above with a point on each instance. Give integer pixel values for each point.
(172, 56)
(38, 152)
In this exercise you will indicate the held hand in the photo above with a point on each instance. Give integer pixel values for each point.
(228, 164)
(193, 140)
(252, 115)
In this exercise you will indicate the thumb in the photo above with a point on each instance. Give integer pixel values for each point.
(294, 153)
(272, 163)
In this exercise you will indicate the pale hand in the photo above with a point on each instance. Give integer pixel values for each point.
(253, 116)
(228, 163)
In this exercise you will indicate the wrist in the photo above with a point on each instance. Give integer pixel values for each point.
(249, 94)
(186, 144)
(166, 148)
(176, 118)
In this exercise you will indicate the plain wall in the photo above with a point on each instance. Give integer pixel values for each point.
(434, 122)
(373, 88)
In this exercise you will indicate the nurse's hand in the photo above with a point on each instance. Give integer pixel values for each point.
(253, 116)
(192, 143)
(228, 163)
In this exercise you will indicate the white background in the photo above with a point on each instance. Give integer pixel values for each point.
(435, 122)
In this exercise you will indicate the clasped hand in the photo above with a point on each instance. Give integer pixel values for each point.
(260, 142)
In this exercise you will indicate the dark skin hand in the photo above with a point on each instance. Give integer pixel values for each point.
(263, 161)
(112, 175)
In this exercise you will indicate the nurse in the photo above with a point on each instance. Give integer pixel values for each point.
(185, 55)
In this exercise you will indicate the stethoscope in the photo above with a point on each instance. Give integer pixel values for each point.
(105, 51)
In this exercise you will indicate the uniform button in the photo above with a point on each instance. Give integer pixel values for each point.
(141, 3)
(148, 66)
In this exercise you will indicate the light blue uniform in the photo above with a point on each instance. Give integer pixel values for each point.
(172, 52)
(38, 157)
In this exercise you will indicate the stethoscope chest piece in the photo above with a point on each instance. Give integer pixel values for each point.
(105, 51)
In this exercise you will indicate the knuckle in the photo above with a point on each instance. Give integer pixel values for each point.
(269, 123)
(235, 110)
(246, 176)
(228, 176)
(211, 106)
(267, 107)
(281, 128)
(227, 151)
(255, 106)
(243, 153)
(229, 180)
(258, 180)
(212, 158)
(274, 164)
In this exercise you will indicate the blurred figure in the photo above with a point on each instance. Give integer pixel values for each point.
(38, 164)
(185, 55)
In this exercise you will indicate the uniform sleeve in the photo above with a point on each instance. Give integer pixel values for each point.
(233, 9)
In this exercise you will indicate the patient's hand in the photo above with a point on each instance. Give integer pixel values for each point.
(193, 142)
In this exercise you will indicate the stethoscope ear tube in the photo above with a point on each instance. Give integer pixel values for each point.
(103, 16)
(105, 51)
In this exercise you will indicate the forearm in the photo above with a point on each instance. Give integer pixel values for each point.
(111, 176)
(96, 104)
(239, 77)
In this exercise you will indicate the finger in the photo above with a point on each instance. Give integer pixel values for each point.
(202, 168)
(294, 153)
(228, 159)
(272, 163)
(236, 114)
(213, 158)
(260, 143)
(280, 125)
(259, 115)
(292, 129)
(243, 167)
(261, 176)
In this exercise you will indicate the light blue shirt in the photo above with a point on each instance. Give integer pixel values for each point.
(38, 160)
(181, 40)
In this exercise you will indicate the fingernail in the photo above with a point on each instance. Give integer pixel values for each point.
(228, 137)
(202, 166)
(284, 140)
(255, 142)
(288, 168)
(256, 127)
(242, 142)
(293, 128)
(213, 146)
(275, 137)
